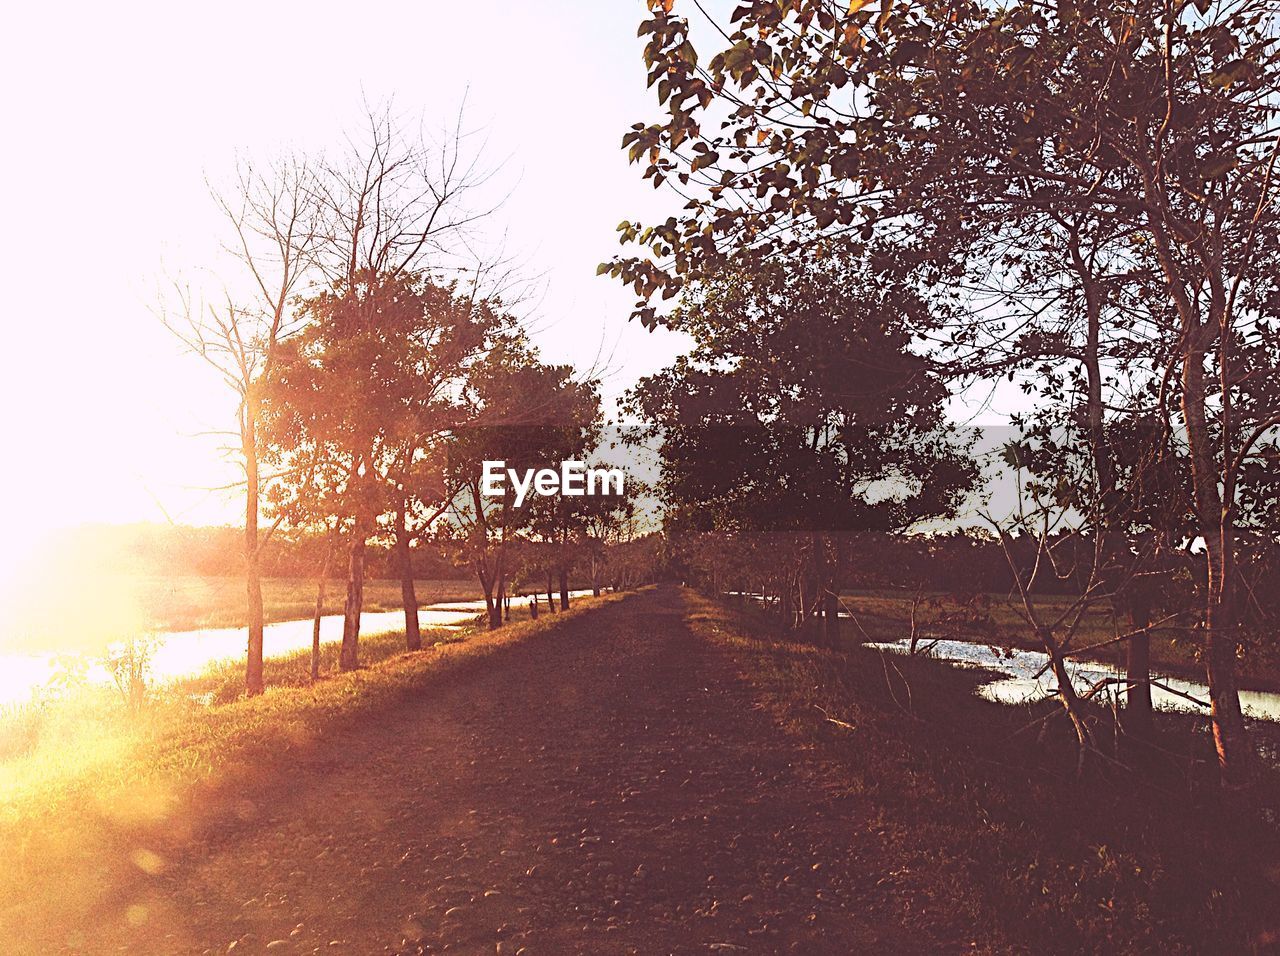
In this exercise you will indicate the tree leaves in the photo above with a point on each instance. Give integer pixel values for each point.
(801, 387)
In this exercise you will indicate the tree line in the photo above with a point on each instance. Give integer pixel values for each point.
(376, 364)
(888, 203)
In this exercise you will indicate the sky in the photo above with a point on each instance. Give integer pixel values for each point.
(116, 120)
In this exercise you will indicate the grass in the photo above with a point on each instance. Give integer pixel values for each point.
(90, 748)
(224, 682)
(84, 821)
(886, 616)
(1003, 840)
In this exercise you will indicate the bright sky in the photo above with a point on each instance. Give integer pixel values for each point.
(113, 119)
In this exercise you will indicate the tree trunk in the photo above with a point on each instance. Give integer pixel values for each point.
(486, 585)
(801, 609)
(1070, 699)
(253, 681)
(831, 618)
(915, 624)
(1230, 739)
(349, 659)
(551, 601)
(408, 596)
(1229, 736)
(321, 585)
(492, 603)
(500, 580)
(253, 673)
(1216, 522)
(564, 589)
(1137, 717)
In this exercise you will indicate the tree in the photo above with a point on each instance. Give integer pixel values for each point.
(637, 561)
(572, 530)
(923, 127)
(383, 206)
(272, 219)
(374, 383)
(602, 520)
(530, 415)
(389, 205)
(802, 408)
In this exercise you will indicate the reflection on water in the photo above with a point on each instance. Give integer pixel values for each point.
(187, 653)
(1028, 679)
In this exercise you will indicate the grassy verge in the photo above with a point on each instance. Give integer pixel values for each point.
(93, 753)
(1002, 840)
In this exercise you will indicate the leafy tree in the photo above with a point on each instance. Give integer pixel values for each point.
(530, 415)
(373, 385)
(924, 127)
(602, 520)
(381, 207)
(802, 408)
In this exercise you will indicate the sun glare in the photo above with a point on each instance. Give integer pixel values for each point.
(61, 593)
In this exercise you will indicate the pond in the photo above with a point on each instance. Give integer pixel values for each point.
(1027, 678)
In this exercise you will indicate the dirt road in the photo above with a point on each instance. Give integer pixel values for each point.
(610, 787)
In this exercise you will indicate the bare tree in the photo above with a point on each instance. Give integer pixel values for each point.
(394, 202)
(271, 215)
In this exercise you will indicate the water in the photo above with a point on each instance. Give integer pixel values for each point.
(1027, 679)
(180, 654)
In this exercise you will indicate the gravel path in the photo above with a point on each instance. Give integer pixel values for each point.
(610, 787)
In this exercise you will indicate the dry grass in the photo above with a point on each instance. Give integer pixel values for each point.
(1032, 857)
(90, 747)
